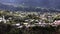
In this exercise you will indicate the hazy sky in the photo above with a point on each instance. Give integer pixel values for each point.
(9, 1)
(51, 3)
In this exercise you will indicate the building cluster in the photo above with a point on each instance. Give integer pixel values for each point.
(29, 19)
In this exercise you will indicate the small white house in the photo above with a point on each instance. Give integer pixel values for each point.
(17, 24)
(2, 19)
(39, 22)
(57, 22)
(25, 24)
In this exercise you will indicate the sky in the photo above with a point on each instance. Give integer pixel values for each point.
(10, 1)
(49, 3)
(7, 1)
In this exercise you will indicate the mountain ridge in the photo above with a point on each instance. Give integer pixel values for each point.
(25, 8)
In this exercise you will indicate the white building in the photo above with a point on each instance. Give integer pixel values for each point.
(2, 19)
(57, 22)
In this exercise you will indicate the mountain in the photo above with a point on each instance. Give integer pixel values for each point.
(24, 8)
(10, 7)
(30, 5)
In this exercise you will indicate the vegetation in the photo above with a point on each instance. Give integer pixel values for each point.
(20, 17)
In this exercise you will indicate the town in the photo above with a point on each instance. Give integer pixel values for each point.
(21, 19)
